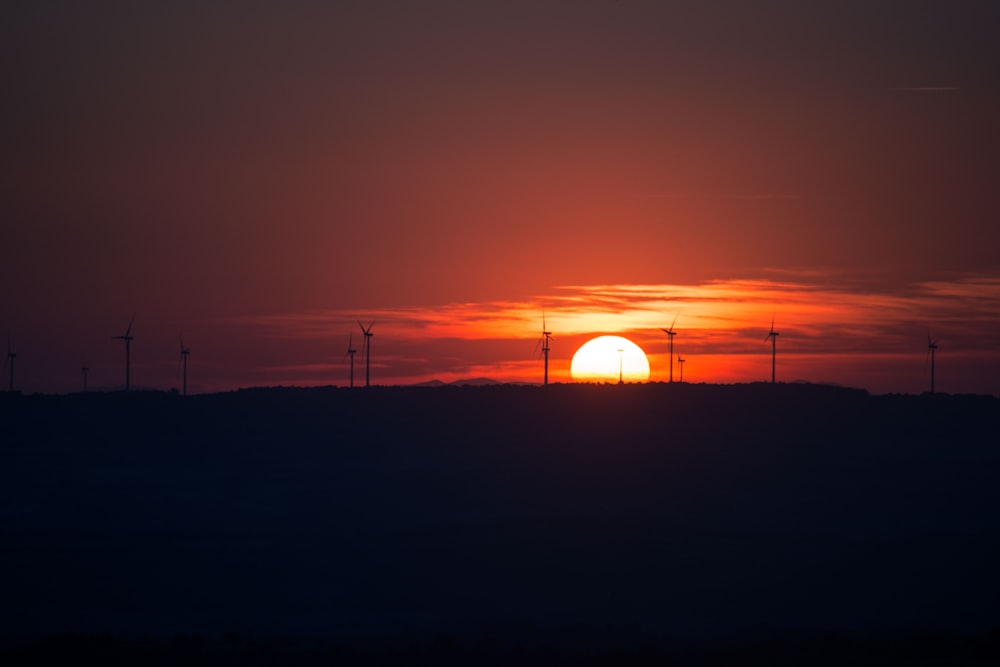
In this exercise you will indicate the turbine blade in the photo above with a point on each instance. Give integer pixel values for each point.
(674, 322)
(129, 329)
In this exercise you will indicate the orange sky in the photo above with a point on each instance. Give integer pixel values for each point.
(828, 333)
(258, 177)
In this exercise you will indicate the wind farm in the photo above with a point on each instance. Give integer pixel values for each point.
(932, 347)
(184, 351)
(349, 354)
(670, 336)
(520, 196)
(772, 335)
(127, 338)
(660, 361)
(367, 332)
(545, 347)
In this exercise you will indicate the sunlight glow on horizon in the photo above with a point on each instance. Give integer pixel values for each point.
(829, 332)
(609, 359)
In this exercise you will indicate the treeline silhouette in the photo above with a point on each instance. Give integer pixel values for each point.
(587, 519)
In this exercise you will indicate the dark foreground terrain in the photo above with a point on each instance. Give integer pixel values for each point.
(629, 524)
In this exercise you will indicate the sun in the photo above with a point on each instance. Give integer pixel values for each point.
(608, 359)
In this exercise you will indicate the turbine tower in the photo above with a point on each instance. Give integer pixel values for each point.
(671, 333)
(184, 359)
(128, 340)
(773, 335)
(620, 351)
(350, 353)
(544, 342)
(680, 362)
(11, 356)
(83, 372)
(368, 350)
(932, 346)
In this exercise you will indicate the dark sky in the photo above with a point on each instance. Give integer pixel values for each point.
(199, 163)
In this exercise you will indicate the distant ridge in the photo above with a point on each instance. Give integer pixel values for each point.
(464, 382)
(694, 388)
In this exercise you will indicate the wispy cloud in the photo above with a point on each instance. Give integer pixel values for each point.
(825, 321)
(924, 89)
(761, 196)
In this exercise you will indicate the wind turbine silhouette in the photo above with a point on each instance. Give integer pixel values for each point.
(83, 371)
(544, 342)
(671, 333)
(680, 362)
(350, 353)
(620, 351)
(11, 356)
(932, 346)
(184, 359)
(773, 335)
(368, 350)
(128, 340)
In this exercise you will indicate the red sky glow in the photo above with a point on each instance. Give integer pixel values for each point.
(257, 178)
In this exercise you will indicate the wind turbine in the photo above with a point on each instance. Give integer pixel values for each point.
(680, 362)
(368, 350)
(620, 351)
(128, 340)
(350, 353)
(83, 371)
(932, 346)
(773, 335)
(11, 356)
(671, 333)
(544, 342)
(184, 358)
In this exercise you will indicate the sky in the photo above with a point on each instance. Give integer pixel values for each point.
(256, 177)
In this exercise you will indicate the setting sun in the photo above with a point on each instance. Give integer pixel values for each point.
(610, 359)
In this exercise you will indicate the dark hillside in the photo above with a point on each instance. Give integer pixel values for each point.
(667, 511)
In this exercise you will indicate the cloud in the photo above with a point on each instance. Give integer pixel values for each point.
(828, 322)
(803, 304)
(924, 89)
(763, 196)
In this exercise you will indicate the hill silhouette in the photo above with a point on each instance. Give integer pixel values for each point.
(662, 511)
(462, 382)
